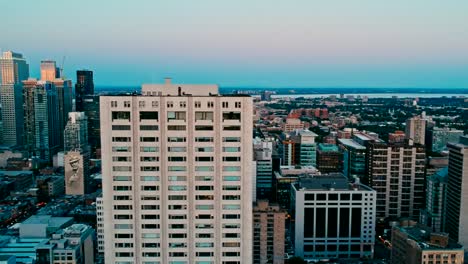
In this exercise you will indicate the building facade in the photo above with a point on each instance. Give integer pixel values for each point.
(334, 219)
(13, 70)
(84, 86)
(416, 129)
(415, 244)
(329, 158)
(76, 132)
(397, 173)
(263, 150)
(354, 158)
(176, 166)
(439, 137)
(436, 193)
(456, 217)
(64, 103)
(269, 233)
(41, 131)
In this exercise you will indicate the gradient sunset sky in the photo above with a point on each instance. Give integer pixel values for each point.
(257, 43)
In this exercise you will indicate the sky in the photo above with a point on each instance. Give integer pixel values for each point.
(256, 43)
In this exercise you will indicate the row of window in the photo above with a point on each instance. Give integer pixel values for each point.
(176, 178)
(169, 139)
(170, 104)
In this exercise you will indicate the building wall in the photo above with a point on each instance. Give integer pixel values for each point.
(325, 217)
(205, 195)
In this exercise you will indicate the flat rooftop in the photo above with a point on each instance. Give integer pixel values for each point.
(327, 182)
(422, 236)
(351, 143)
(328, 147)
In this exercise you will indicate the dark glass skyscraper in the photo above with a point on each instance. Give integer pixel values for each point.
(84, 86)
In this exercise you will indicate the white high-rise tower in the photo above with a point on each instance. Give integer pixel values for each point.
(177, 183)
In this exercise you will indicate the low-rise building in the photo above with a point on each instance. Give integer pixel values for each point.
(333, 218)
(415, 244)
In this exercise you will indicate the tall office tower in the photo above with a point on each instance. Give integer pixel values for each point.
(13, 70)
(65, 104)
(415, 244)
(436, 192)
(269, 233)
(456, 217)
(334, 219)
(354, 158)
(263, 150)
(177, 166)
(84, 86)
(49, 71)
(76, 132)
(305, 147)
(99, 226)
(416, 129)
(41, 136)
(329, 158)
(397, 172)
(91, 106)
(437, 138)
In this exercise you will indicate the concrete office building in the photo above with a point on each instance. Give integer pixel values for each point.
(397, 172)
(41, 130)
(100, 226)
(269, 233)
(334, 219)
(354, 158)
(176, 170)
(436, 193)
(456, 217)
(415, 244)
(13, 70)
(76, 132)
(305, 147)
(416, 129)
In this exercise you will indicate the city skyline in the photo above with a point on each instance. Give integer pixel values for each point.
(306, 44)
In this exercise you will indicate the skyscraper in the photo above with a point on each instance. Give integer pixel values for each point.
(456, 217)
(177, 165)
(91, 106)
(13, 70)
(84, 86)
(354, 158)
(49, 71)
(41, 118)
(65, 104)
(416, 129)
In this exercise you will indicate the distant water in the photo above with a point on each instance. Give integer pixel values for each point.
(376, 95)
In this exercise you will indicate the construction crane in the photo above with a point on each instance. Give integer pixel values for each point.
(61, 67)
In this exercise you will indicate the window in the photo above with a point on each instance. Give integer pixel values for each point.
(237, 105)
(149, 168)
(175, 115)
(231, 178)
(150, 207)
(203, 128)
(225, 104)
(177, 159)
(231, 168)
(176, 139)
(231, 159)
(149, 149)
(204, 149)
(232, 128)
(176, 168)
(121, 158)
(154, 104)
(197, 104)
(204, 168)
(231, 139)
(204, 116)
(204, 159)
(121, 139)
(149, 139)
(120, 127)
(149, 178)
(176, 149)
(141, 104)
(149, 127)
(210, 104)
(120, 115)
(121, 149)
(113, 103)
(231, 207)
(127, 104)
(176, 128)
(177, 188)
(148, 115)
(231, 116)
(149, 159)
(203, 139)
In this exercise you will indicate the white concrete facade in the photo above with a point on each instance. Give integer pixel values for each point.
(177, 168)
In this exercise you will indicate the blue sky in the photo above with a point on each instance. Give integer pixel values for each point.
(302, 43)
